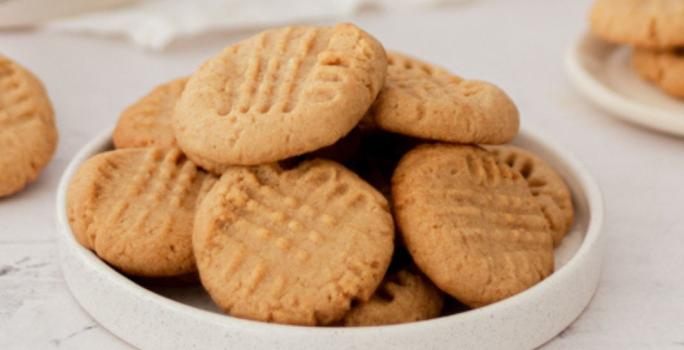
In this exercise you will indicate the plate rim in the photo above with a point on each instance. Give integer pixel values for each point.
(619, 105)
(590, 244)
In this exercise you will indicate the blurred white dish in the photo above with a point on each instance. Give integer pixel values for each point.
(602, 72)
(154, 317)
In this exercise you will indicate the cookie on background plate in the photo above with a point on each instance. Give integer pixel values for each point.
(425, 101)
(28, 135)
(546, 186)
(656, 24)
(665, 69)
(470, 223)
(135, 209)
(292, 246)
(147, 122)
(281, 93)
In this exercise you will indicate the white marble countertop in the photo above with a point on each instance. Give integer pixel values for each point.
(517, 44)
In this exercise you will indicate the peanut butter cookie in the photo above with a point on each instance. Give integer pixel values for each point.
(147, 123)
(28, 135)
(281, 93)
(404, 296)
(471, 223)
(656, 24)
(135, 208)
(425, 101)
(292, 246)
(665, 69)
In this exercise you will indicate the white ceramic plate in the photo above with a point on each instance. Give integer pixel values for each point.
(602, 72)
(184, 317)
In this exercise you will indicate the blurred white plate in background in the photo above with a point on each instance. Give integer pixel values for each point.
(602, 72)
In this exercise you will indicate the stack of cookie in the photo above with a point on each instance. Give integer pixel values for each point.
(278, 170)
(655, 28)
(28, 135)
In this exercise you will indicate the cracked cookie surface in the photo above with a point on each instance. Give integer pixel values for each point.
(546, 186)
(471, 223)
(425, 101)
(135, 208)
(281, 93)
(292, 246)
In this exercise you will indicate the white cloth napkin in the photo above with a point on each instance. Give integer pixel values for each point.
(154, 24)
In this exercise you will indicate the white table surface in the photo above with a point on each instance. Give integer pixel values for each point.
(517, 44)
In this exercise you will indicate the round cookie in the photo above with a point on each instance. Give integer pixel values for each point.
(425, 101)
(147, 122)
(403, 296)
(641, 23)
(663, 68)
(292, 246)
(135, 208)
(281, 93)
(28, 135)
(546, 186)
(470, 223)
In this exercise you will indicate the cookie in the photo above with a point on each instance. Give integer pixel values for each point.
(663, 68)
(135, 209)
(281, 93)
(404, 296)
(147, 123)
(28, 135)
(546, 186)
(425, 101)
(292, 246)
(471, 223)
(641, 23)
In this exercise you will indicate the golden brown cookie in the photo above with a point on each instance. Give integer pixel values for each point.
(28, 135)
(663, 68)
(470, 223)
(546, 186)
(425, 101)
(147, 123)
(292, 246)
(281, 93)
(135, 208)
(403, 296)
(641, 23)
